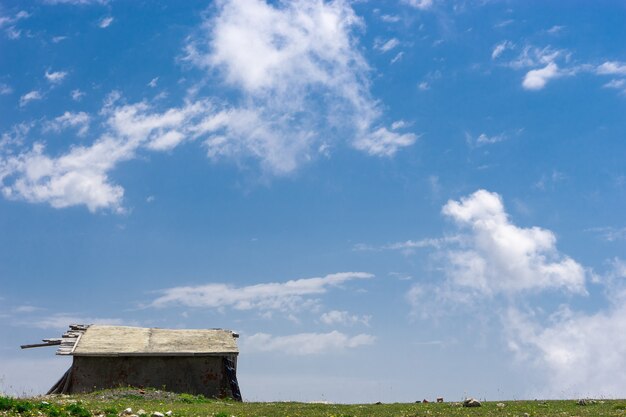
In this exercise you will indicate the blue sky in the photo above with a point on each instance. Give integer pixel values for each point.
(390, 200)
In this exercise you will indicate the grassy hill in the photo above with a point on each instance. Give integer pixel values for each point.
(113, 403)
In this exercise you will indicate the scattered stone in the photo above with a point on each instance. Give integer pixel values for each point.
(141, 412)
(169, 413)
(501, 405)
(582, 402)
(142, 391)
(471, 402)
(439, 399)
(127, 412)
(526, 415)
(45, 403)
(157, 414)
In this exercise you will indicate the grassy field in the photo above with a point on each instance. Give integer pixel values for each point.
(113, 403)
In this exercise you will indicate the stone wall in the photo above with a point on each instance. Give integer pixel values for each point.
(203, 375)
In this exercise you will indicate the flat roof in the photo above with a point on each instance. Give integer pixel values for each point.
(99, 340)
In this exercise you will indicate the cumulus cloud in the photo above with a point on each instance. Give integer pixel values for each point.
(538, 78)
(30, 96)
(79, 120)
(282, 296)
(581, 355)
(299, 76)
(305, 343)
(497, 256)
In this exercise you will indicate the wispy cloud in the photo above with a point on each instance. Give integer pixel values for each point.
(30, 96)
(105, 22)
(76, 2)
(305, 343)
(68, 119)
(420, 4)
(500, 48)
(386, 46)
(55, 77)
(610, 234)
(345, 318)
(282, 296)
(77, 95)
(5, 89)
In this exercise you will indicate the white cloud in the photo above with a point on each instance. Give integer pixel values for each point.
(612, 68)
(77, 95)
(537, 79)
(580, 355)
(153, 82)
(555, 29)
(397, 57)
(30, 96)
(484, 139)
(384, 142)
(610, 234)
(7, 20)
(68, 119)
(408, 246)
(343, 317)
(500, 48)
(5, 89)
(76, 2)
(105, 22)
(420, 4)
(55, 77)
(300, 78)
(387, 46)
(390, 18)
(80, 176)
(305, 343)
(424, 85)
(532, 56)
(57, 39)
(497, 256)
(282, 296)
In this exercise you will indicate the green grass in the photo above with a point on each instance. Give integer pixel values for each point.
(197, 406)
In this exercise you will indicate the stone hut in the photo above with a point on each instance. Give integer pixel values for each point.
(185, 361)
